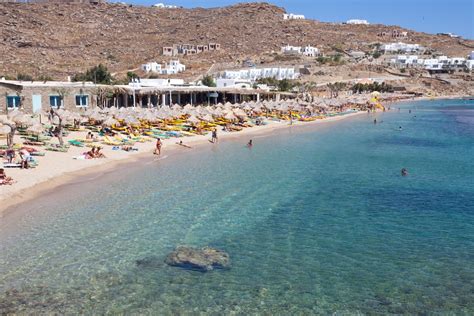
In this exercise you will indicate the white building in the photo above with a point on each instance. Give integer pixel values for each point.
(401, 47)
(439, 63)
(233, 83)
(470, 64)
(457, 62)
(164, 6)
(403, 61)
(174, 67)
(258, 73)
(308, 50)
(292, 16)
(356, 21)
(151, 67)
(433, 64)
(158, 82)
(291, 49)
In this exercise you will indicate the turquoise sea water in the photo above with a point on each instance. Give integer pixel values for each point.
(316, 219)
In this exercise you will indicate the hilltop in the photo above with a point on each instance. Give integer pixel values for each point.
(63, 39)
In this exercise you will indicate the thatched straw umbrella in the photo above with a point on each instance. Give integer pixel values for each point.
(193, 120)
(110, 122)
(208, 118)
(230, 116)
(36, 129)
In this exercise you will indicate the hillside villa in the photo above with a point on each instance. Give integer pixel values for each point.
(253, 74)
(438, 64)
(189, 49)
(172, 68)
(401, 47)
(291, 16)
(308, 50)
(357, 22)
(164, 6)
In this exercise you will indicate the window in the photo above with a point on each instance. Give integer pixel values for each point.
(55, 101)
(82, 101)
(13, 102)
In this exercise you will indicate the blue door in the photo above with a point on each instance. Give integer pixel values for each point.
(36, 103)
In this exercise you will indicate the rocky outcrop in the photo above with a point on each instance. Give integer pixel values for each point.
(205, 259)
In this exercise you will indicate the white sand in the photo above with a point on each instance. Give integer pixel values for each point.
(57, 168)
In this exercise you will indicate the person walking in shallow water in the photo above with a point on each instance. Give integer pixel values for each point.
(250, 144)
(214, 136)
(158, 147)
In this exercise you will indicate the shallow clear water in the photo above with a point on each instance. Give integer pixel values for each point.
(316, 219)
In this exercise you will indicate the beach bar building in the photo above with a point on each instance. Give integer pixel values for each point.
(34, 96)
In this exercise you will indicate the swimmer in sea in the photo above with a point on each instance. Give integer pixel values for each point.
(404, 172)
(250, 144)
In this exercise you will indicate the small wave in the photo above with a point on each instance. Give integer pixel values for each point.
(157, 159)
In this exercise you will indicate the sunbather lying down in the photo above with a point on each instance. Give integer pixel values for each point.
(129, 148)
(182, 144)
(4, 180)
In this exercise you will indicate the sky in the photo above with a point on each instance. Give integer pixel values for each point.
(431, 16)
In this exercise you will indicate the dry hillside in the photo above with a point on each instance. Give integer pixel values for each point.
(63, 39)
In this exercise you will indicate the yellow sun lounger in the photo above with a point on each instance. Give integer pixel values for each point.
(108, 141)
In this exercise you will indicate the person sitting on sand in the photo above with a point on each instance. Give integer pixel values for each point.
(24, 156)
(182, 144)
(89, 154)
(158, 147)
(4, 180)
(97, 153)
(91, 136)
(10, 155)
(250, 144)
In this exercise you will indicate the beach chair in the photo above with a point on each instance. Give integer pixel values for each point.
(108, 141)
(76, 143)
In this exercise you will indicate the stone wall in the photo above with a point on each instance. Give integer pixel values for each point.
(26, 95)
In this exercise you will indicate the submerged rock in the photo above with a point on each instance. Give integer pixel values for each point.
(205, 259)
(150, 262)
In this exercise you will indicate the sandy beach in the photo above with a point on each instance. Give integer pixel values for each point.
(56, 169)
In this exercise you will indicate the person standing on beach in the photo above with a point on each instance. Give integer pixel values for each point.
(214, 135)
(158, 147)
